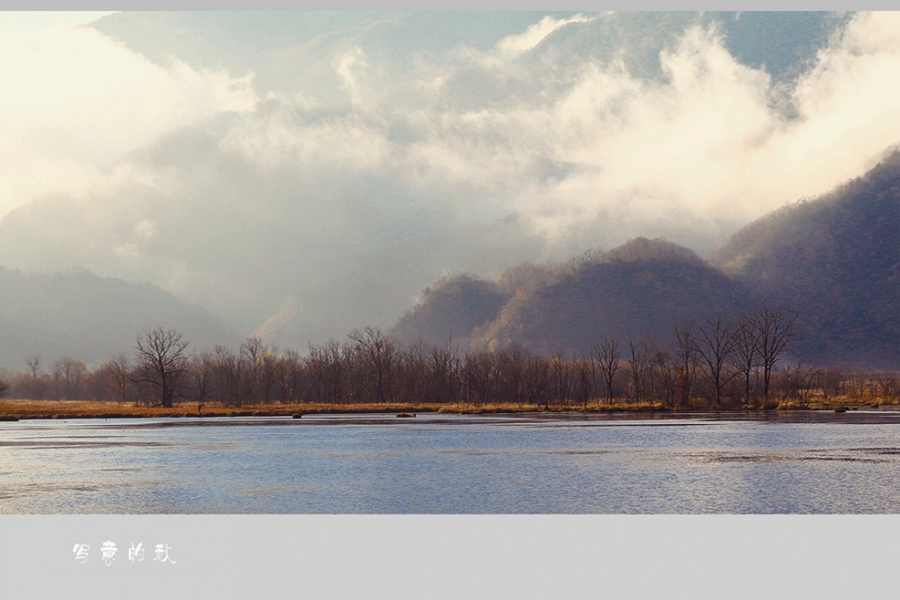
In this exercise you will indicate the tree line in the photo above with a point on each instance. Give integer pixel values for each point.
(718, 362)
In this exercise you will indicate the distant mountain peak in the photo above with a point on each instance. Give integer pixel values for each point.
(642, 249)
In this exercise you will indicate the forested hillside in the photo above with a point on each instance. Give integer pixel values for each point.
(836, 261)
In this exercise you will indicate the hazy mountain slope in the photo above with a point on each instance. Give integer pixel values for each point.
(641, 289)
(836, 260)
(450, 310)
(90, 318)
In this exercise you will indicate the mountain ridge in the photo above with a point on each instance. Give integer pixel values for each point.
(834, 261)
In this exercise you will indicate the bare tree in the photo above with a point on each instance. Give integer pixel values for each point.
(607, 356)
(290, 376)
(379, 354)
(639, 363)
(202, 370)
(68, 377)
(586, 375)
(775, 330)
(36, 385)
(799, 381)
(256, 359)
(161, 362)
(536, 381)
(746, 352)
(443, 363)
(511, 363)
(563, 378)
(120, 375)
(715, 345)
(688, 361)
(663, 376)
(229, 374)
(414, 371)
(34, 366)
(832, 382)
(478, 376)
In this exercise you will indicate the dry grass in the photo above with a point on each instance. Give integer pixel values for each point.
(71, 409)
(821, 403)
(493, 408)
(80, 409)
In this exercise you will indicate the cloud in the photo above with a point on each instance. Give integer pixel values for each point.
(470, 160)
(516, 45)
(847, 105)
(351, 67)
(72, 102)
(145, 229)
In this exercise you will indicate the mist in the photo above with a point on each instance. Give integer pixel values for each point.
(299, 189)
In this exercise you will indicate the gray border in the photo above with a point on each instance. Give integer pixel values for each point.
(512, 556)
(468, 5)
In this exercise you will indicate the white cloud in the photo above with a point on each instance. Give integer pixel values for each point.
(145, 229)
(351, 68)
(515, 45)
(72, 102)
(342, 142)
(707, 145)
(448, 167)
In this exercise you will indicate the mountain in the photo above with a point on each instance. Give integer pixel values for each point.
(640, 289)
(450, 310)
(90, 318)
(836, 261)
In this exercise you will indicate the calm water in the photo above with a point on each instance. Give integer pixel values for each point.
(436, 464)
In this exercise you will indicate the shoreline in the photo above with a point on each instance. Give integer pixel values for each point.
(15, 410)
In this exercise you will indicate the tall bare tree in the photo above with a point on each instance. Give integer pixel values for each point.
(688, 360)
(563, 378)
(607, 356)
(202, 369)
(162, 363)
(379, 355)
(776, 330)
(443, 362)
(746, 352)
(229, 375)
(120, 375)
(715, 345)
(639, 363)
(586, 370)
(663, 376)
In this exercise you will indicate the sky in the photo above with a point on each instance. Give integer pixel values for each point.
(50, 18)
(270, 179)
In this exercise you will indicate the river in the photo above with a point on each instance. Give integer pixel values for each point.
(785, 463)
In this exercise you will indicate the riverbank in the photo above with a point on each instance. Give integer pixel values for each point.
(11, 410)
